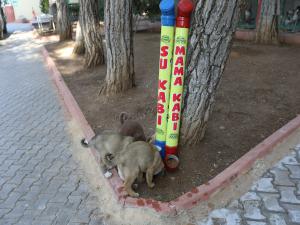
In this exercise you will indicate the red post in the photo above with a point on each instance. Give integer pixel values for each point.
(184, 10)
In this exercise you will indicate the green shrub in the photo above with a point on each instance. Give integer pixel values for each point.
(44, 6)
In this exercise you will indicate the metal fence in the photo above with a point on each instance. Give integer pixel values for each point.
(289, 19)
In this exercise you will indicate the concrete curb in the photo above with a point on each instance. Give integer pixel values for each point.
(284, 37)
(197, 194)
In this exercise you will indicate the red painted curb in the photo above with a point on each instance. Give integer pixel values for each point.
(197, 194)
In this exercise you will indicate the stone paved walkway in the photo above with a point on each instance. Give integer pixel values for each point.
(40, 181)
(274, 199)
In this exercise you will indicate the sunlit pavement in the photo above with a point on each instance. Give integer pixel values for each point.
(40, 180)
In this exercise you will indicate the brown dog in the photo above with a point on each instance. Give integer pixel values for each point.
(108, 144)
(136, 159)
(131, 128)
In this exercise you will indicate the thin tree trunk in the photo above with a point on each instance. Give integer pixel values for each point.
(3, 28)
(212, 28)
(267, 25)
(119, 45)
(90, 25)
(63, 22)
(79, 44)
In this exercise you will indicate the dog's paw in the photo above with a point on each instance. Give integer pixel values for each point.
(134, 194)
(135, 186)
(151, 185)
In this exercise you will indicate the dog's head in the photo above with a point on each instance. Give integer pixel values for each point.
(109, 146)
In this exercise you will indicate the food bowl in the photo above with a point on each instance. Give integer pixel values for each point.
(171, 162)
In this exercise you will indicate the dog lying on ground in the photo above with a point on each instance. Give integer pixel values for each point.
(136, 159)
(131, 128)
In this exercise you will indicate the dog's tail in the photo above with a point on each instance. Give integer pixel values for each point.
(84, 143)
(123, 117)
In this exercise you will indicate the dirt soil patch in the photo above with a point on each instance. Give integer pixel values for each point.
(258, 94)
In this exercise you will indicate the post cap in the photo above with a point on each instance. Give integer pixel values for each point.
(184, 10)
(167, 8)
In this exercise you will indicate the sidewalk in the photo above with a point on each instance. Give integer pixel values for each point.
(274, 199)
(40, 180)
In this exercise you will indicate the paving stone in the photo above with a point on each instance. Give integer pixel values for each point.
(250, 196)
(96, 221)
(281, 177)
(264, 185)
(249, 222)
(223, 216)
(294, 170)
(60, 197)
(9, 221)
(290, 160)
(294, 216)
(63, 217)
(298, 188)
(82, 216)
(276, 219)
(251, 203)
(12, 199)
(6, 189)
(253, 211)
(271, 202)
(288, 195)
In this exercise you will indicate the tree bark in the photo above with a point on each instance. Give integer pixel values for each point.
(63, 22)
(119, 45)
(212, 27)
(89, 19)
(3, 21)
(267, 25)
(1, 27)
(79, 44)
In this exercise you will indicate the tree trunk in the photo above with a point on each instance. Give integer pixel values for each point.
(63, 22)
(89, 19)
(1, 27)
(213, 25)
(79, 44)
(3, 20)
(267, 24)
(119, 45)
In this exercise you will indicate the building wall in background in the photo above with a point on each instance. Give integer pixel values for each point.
(23, 8)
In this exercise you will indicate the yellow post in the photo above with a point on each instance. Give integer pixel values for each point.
(165, 69)
(185, 8)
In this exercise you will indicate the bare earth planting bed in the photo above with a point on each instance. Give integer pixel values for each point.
(259, 93)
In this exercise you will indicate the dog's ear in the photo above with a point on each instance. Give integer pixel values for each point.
(123, 116)
(109, 157)
(126, 141)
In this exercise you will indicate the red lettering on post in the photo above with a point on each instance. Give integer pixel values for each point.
(175, 117)
(163, 64)
(162, 84)
(176, 97)
(178, 71)
(162, 96)
(164, 51)
(174, 126)
(178, 81)
(160, 108)
(159, 117)
(176, 107)
(180, 50)
(179, 60)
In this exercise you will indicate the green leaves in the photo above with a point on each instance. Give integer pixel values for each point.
(44, 6)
